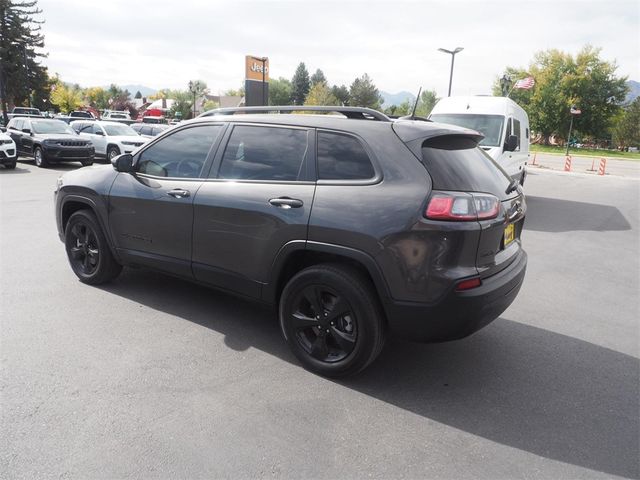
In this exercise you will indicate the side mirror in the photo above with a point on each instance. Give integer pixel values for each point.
(26, 130)
(123, 163)
(511, 144)
(98, 132)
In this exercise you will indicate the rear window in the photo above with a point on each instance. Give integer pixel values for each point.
(455, 163)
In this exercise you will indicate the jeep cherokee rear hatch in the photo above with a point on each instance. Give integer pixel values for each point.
(469, 186)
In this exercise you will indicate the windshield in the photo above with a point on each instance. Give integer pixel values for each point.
(52, 126)
(119, 130)
(489, 125)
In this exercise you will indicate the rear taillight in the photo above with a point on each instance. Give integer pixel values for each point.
(468, 284)
(462, 207)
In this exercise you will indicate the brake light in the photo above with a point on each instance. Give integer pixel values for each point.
(462, 207)
(468, 284)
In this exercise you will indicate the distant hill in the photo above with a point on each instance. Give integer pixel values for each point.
(634, 91)
(144, 91)
(396, 98)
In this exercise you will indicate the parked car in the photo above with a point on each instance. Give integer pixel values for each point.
(355, 228)
(109, 138)
(49, 141)
(115, 115)
(154, 120)
(148, 130)
(26, 111)
(8, 152)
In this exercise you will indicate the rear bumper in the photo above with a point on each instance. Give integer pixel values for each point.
(460, 313)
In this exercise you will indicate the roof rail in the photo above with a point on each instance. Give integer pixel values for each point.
(359, 113)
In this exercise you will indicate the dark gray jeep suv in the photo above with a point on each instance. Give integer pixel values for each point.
(355, 226)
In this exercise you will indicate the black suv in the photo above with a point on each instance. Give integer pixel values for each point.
(49, 141)
(355, 226)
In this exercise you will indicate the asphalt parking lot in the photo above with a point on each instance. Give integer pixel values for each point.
(154, 377)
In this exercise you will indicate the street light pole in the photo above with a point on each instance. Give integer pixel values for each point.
(263, 60)
(453, 56)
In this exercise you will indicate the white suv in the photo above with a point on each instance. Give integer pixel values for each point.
(8, 152)
(109, 138)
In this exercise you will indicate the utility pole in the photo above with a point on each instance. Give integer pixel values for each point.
(453, 56)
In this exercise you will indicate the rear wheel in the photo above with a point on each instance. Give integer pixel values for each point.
(40, 159)
(331, 319)
(88, 251)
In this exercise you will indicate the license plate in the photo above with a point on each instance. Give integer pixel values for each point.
(509, 234)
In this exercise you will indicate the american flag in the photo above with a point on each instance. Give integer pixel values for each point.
(525, 83)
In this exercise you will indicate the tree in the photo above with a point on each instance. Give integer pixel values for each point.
(341, 93)
(363, 93)
(562, 81)
(300, 85)
(234, 93)
(182, 104)
(138, 95)
(428, 100)
(66, 98)
(318, 77)
(20, 74)
(626, 131)
(279, 91)
(320, 94)
(97, 97)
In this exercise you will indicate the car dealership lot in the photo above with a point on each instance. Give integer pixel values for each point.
(155, 377)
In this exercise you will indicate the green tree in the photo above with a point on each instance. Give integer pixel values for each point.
(363, 93)
(300, 85)
(97, 97)
(626, 131)
(138, 95)
(320, 94)
(66, 98)
(234, 93)
(20, 36)
(318, 77)
(428, 100)
(279, 91)
(182, 104)
(341, 93)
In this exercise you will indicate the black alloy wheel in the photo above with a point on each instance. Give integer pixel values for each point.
(84, 252)
(88, 251)
(332, 320)
(325, 324)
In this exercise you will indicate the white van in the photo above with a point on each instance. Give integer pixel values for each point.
(504, 124)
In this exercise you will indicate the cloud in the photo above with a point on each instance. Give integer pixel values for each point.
(162, 43)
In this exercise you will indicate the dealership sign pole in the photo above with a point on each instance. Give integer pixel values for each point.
(574, 111)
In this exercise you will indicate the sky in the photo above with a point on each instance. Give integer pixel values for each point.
(166, 43)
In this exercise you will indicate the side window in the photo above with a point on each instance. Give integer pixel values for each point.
(95, 128)
(264, 153)
(145, 130)
(527, 133)
(516, 131)
(86, 128)
(181, 154)
(342, 157)
(17, 125)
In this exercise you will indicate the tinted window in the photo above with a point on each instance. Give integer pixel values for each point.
(145, 130)
(342, 157)
(181, 154)
(516, 130)
(264, 153)
(51, 126)
(454, 166)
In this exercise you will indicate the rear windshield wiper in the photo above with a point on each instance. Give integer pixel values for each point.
(512, 186)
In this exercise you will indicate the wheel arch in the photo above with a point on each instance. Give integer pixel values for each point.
(296, 255)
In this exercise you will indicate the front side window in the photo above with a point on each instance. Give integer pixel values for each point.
(180, 155)
(17, 124)
(119, 130)
(264, 153)
(342, 157)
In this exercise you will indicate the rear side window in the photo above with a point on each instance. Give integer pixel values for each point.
(264, 153)
(455, 163)
(181, 154)
(342, 157)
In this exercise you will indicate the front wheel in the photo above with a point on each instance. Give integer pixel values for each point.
(332, 320)
(10, 166)
(112, 152)
(87, 163)
(40, 159)
(88, 251)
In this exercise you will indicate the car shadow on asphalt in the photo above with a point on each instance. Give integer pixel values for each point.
(556, 215)
(528, 388)
(14, 171)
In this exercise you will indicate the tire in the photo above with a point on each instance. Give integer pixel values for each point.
(87, 163)
(112, 152)
(39, 157)
(332, 320)
(88, 251)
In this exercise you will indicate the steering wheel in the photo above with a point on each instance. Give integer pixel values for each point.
(188, 168)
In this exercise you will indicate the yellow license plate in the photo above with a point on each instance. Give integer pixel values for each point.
(509, 234)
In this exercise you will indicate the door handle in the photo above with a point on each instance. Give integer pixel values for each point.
(286, 202)
(178, 193)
